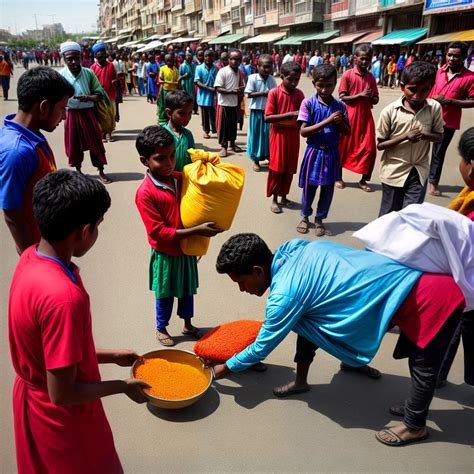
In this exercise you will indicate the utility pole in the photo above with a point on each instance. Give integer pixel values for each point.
(36, 20)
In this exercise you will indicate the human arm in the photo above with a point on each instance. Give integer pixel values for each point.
(19, 229)
(385, 139)
(462, 103)
(121, 357)
(204, 87)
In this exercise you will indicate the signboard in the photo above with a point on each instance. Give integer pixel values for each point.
(432, 5)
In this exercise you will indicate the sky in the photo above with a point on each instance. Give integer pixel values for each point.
(76, 15)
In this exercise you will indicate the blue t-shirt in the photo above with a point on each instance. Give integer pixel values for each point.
(337, 297)
(18, 161)
(207, 77)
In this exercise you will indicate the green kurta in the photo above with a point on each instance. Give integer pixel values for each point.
(183, 144)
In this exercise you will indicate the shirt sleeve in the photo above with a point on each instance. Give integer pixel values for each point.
(344, 85)
(282, 313)
(16, 167)
(270, 108)
(62, 332)
(438, 124)
(470, 88)
(219, 82)
(384, 125)
(250, 87)
(197, 75)
(305, 111)
(375, 89)
(152, 218)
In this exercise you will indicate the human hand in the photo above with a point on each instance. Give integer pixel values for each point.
(336, 117)
(81, 98)
(134, 390)
(207, 229)
(415, 135)
(125, 357)
(220, 371)
(367, 93)
(441, 99)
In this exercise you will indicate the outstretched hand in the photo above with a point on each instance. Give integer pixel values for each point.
(134, 390)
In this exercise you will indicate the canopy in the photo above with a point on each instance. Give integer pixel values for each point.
(369, 37)
(164, 37)
(152, 37)
(207, 39)
(291, 40)
(181, 40)
(467, 35)
(128, 44)
(117, 38)
(150, 46)
(321, 35)
(227, 39)
(349, 38)
(264, 38)
(402, 37)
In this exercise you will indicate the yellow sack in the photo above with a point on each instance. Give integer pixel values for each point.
(211, 192)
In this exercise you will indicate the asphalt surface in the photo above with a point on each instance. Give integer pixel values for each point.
(239, 426)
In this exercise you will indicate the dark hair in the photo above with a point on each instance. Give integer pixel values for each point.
(325, 71)
(65, 201)
(364, 49)
(466, 145)
(177, 98)
(289, 67)
(235, 50)
(459, 45)
(151, 138)
(41, 83)
(241, 253)
(418, 71)
(264, 57)
(208, 52)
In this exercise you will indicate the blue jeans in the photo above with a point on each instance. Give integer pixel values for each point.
(164, 308)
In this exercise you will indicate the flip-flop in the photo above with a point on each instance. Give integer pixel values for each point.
(275, 208)
(397, 440)
(365, 187)
(340, 184)
(282, 394)
(256, 168)
(303, 226)
(320, 230)
(165, 339)
(364, 369)
(195, 334)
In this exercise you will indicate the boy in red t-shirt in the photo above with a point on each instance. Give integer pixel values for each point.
(59, 421)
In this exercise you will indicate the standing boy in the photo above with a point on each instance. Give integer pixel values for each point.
(25, 156)
(230, 89)
(179, 109)
(454, 90)
(404, 132)
(186, 71)
(59, 421)
(257, 89)
(169, 80)
(283, 105)
(358, 90)
(205, 78)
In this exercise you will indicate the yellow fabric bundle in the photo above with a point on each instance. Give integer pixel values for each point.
(211, 192)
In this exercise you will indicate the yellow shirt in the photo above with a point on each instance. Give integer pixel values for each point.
(396, 120)
(168, 75)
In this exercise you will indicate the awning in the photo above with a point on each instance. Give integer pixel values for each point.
(369, 37)
(182, 40)
(150, 46)
(129, 43)
(321, 36)
(125, 30)
(265, 38)
(349, 38)
(402, 37)
(152, 37)
(164, 37)
(291, 40)
(467, 35)
(227, 39)
(206, 39)
(117, 38)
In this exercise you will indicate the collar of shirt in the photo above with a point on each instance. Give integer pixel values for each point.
(161, 185)
(400, 104)
(460, 73)
(33, 138)
(284, 89)
(70, 271)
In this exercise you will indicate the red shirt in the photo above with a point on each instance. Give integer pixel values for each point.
(49, 328)
(106, 75)
(159, 209)
(460, 87)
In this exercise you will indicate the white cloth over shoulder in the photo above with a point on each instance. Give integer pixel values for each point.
(429, 238)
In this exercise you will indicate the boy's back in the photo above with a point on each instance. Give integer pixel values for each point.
(396, 120)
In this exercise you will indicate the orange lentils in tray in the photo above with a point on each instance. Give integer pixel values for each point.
(171, 380)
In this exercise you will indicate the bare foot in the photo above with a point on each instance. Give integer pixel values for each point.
(275, 208)
(434, 190)
(291, 388)
(340, 184)
(400, 435)
(223, 152)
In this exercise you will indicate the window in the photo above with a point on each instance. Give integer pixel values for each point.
(259, 7)
(271, 5)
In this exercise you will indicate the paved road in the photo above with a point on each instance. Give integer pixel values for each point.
(240, 426)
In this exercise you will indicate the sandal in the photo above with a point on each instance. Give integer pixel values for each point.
(396, 440)
(164, 339)
(365, 187)
(275, 208)
(340, 184)
(103, 178)
(303, 226)
(320, 230)
(257, 168)
(285, 390)
(223, 152)
(194, 333)
(364, 369)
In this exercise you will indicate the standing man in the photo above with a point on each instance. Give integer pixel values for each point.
(454, 90)
(81, 129)
(107, 75)
(25, 156)
(230, 89)
(205, 77)
(6, 71)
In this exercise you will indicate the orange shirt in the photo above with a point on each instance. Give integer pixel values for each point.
(4, 68)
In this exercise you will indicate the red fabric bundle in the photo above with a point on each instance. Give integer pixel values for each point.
(226, 340)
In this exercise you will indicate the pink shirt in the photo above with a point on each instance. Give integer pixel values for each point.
(460, 87)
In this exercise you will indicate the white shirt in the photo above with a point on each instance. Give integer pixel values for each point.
(228, 79)
(288, 58)
(256, 83)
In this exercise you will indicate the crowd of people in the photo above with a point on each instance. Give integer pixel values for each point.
(335, 298)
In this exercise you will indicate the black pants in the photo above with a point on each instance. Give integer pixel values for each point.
(464, 330)
(424, 365)
(227, 126)
(395, 198)
(438, 155)
(208, 119)
(5, 80)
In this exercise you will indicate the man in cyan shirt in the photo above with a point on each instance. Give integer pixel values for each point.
(343, 301)
(454, 90)
(25, 156)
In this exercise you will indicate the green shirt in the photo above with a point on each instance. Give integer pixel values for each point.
(183, 143)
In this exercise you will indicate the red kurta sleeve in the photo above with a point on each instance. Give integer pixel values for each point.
(271, 107)
(344, 86)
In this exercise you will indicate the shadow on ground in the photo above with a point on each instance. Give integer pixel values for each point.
(355, 401)
(118, 177)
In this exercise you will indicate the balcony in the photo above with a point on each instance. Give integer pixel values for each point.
(286, 19)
